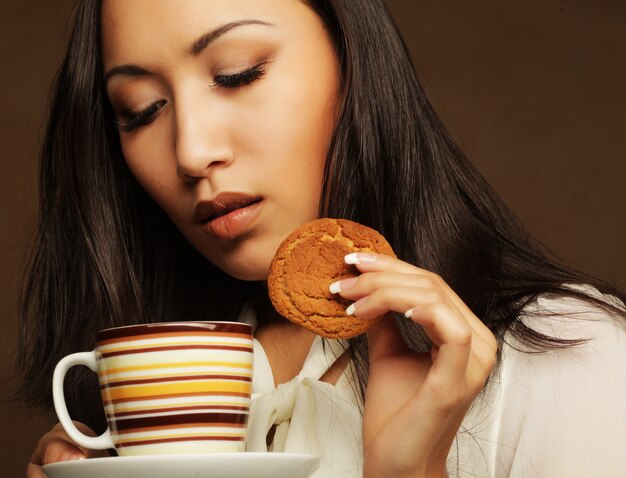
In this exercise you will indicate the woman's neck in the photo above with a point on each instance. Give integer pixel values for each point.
(286, 346)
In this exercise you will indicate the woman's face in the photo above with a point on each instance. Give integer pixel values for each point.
(226, 109)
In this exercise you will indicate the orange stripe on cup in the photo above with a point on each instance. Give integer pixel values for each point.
(140, 368)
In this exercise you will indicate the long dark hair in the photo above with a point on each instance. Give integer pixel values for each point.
(424, 195)
(106, 255)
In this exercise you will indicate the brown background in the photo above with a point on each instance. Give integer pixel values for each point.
(534, 91)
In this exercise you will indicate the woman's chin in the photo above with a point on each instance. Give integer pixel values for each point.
(252, 277)
(248, 271)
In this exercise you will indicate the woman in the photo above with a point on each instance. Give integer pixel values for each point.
(271, 113)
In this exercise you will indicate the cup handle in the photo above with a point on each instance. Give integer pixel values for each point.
(87, 359)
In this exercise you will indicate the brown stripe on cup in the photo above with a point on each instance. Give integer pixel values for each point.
(167, 335)
(175, 347)
(149, 411)
(192, 328)
(187, 419)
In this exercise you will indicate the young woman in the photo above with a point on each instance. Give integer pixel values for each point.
(270, 113)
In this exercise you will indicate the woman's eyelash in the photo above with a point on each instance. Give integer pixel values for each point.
(235, 80)
(142, 118)
(241, 78)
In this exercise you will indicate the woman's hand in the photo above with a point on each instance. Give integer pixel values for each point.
(57, 446)
(415, 403)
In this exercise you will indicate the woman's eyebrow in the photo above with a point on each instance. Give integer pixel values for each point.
(126, 70)
(197, 47)
(206, 39)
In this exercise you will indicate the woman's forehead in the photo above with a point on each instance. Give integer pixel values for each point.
(164, 27)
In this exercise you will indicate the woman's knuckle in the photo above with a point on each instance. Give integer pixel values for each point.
(492, 343)
(437, 309)
(490, 361)
(432, 280)
(462, 334)
(51, 452)
(57, 428)
(386, 296)
(368, 282)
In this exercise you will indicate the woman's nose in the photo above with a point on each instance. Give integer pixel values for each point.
(201, 144)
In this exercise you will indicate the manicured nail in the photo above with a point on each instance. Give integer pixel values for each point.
(342, 285)
(353, 307)
(360, 258)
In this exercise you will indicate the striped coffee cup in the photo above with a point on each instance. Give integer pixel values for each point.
(167, 388)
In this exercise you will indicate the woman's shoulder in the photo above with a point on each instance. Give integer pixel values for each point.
(592, 344)
(543, 405)
(573, 318)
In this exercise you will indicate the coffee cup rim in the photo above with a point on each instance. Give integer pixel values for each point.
(183, 326)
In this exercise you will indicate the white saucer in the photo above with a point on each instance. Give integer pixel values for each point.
(216, 465)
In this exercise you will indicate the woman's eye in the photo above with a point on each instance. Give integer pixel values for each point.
(236, 80)
(241, 78)
(141, 118)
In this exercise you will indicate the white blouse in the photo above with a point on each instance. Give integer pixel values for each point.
(559, 413)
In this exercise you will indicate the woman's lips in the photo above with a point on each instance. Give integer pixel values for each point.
(228, 215)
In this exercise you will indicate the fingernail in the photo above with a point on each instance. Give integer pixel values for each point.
(342, 285)
(409, 313)
(353, 307)
(360, 258)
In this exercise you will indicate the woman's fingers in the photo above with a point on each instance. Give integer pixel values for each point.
(388, 284)
(52, 451)
(379, 270)
(427, 307)
(392, 298)
(56, 446)
(366, 283)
